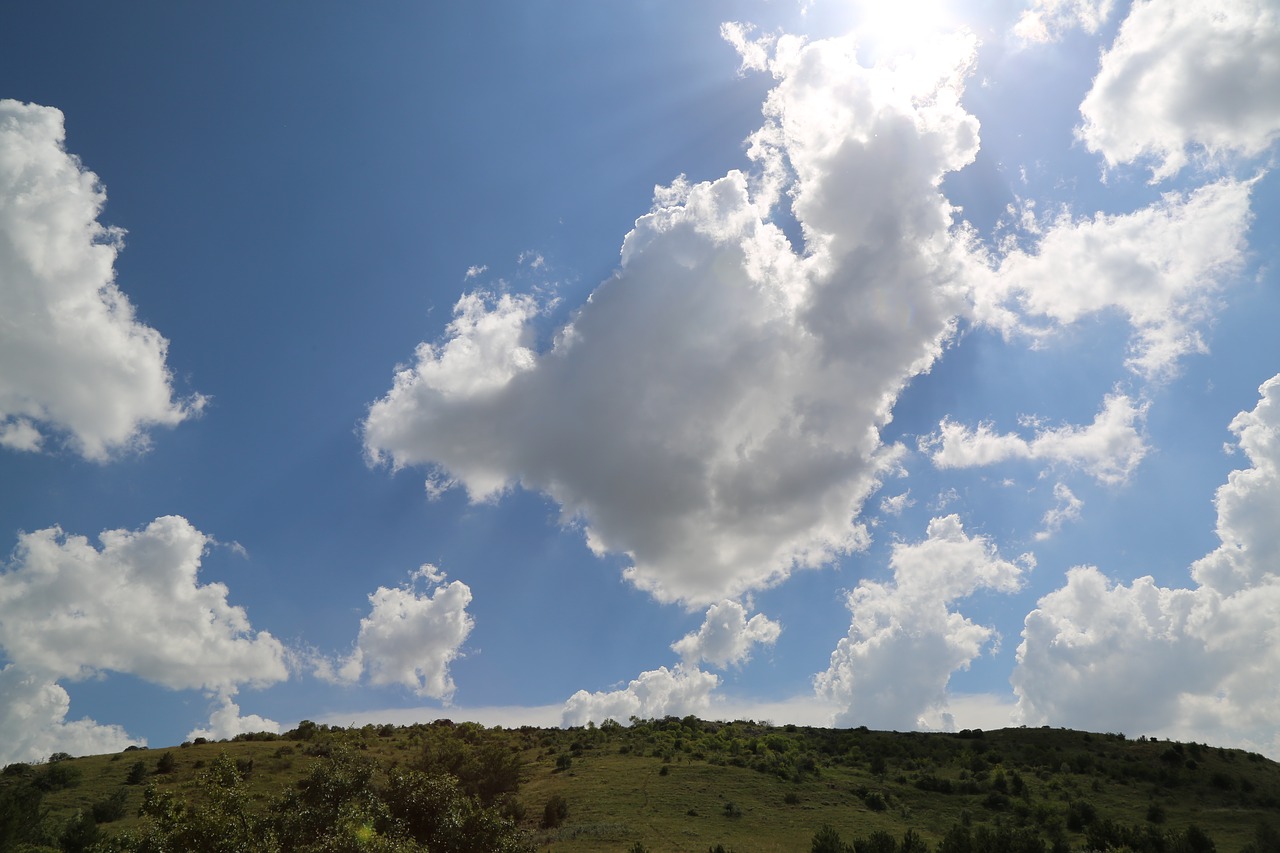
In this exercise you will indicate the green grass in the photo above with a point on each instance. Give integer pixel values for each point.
(669, 783)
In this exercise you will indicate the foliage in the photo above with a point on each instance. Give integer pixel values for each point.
(555, 812)
(486, 762)
(111, 808)
(828, 840)
(340, 806)
(20, 813)
(877, 842)
(384, 788)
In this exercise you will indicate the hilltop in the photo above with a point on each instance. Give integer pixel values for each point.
(658, 785)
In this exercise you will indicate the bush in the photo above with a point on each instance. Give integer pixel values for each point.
(167, 763)
(137, 773)
(555, 812)
(875, 801)
(913, 843)
(79, 835)
(827, 840)
(55, 777)
(877, 842)
(110, 809)
(731, 809)
(1080, 814)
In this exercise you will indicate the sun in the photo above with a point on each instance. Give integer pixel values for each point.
(888, 27)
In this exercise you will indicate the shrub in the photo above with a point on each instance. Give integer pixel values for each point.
(731, 809)
(827, 840)
(167, 763)
(877, 842)
(913, 843)
(875, 801)
(1080, 814)
(80, 834)
(555, 812)
(55, 777)
(110, 809)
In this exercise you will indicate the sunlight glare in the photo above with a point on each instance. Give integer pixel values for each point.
(889, 27)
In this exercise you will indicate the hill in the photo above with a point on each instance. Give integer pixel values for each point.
(657, 785)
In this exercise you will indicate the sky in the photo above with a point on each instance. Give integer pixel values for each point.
(551, 362)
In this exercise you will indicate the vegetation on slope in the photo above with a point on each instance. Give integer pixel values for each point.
(655, 786)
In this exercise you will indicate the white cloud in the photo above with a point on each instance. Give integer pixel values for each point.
(76, 358)
(1161, 267)
(1067, 509)
(904, 641)
(410, 639)
(1249, 503)
(1196, 663)
(726, 636)
(225, 722)
(1191, 77)
(713, 410)
(679, 691)
(897, 504)
(756, 53)
(971, 710)
(70, 610)
(20, 435)
(1048, 20)
(1109, 449)
(33, 722)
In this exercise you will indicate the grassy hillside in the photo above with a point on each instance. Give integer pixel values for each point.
(690, 785)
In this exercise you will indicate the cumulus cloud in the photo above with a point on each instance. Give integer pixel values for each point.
(1198, 662)
(679, 691)
(1049, 20)
(33, 721)
(904, 641)
(713, 410)
(1249, 503)
(1195, 77)
(225, 722)
(1161, 267)
(71, 610)
(1109, 449)
(726, 636)
(77, 361)
(409, 638)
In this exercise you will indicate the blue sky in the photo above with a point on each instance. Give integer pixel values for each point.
(565, 361)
